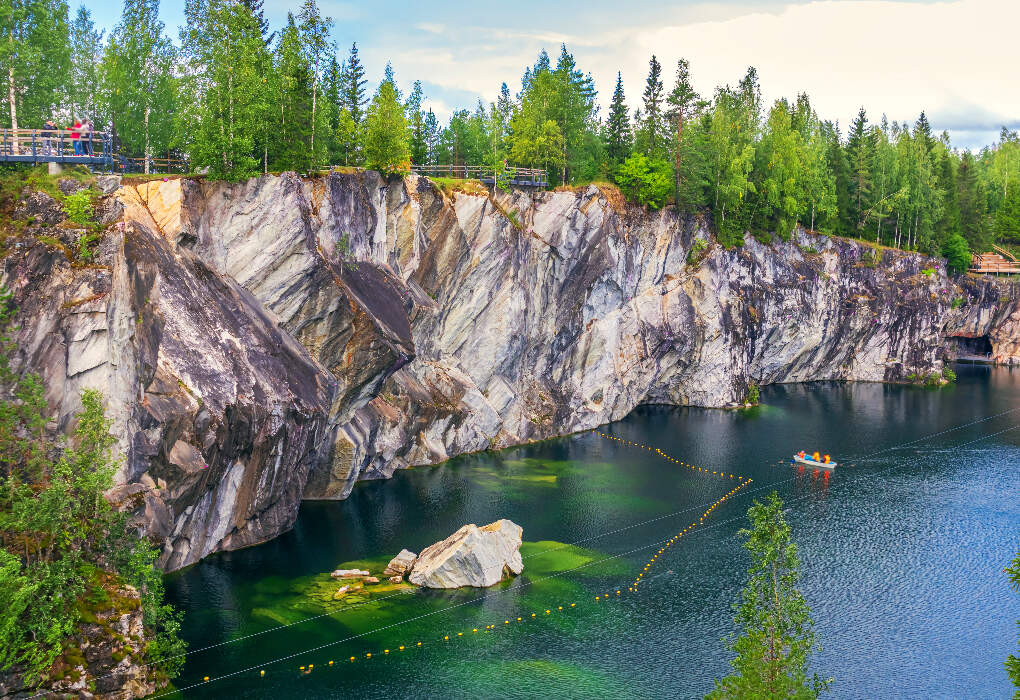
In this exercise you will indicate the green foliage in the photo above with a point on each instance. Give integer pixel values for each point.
(138, 72)
(957, 303)
(387, 138)
(696, 252)
(1013, 660)
(777, 639)
(57, 529)
(957, 253)
(928, 272)
(948, 374)
(78, 207)
(648, 182)
(753, 394)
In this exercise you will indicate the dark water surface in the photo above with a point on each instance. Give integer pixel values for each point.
(903, 554)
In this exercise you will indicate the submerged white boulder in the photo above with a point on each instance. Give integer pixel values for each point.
(472, 556)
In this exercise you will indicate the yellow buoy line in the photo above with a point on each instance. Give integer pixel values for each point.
(741, 483)
(619, 592)
(347, 607)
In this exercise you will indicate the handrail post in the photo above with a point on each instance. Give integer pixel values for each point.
(35, 155)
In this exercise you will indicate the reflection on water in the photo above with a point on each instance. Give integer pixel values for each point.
(903, 549)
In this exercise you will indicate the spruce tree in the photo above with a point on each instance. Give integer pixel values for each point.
(860, 151)
(416, 122)
(353, 84)
(618, 138)
(292, 147)
(777, 639)
(973, 204)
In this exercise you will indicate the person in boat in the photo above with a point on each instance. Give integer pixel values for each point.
(825, 459)
(815, 456)
(801, 454)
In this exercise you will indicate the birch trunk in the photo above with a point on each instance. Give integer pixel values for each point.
(13, 102)
(147, 109)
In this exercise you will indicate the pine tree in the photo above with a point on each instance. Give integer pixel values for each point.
(138, 73)
(842, 221)
(387, 138)
(618, 138)
(652, 126)
(682, 104)
(777, 639)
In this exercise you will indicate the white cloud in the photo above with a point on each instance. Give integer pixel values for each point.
(953, 59)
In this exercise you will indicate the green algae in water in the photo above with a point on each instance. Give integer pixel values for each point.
(554, 574)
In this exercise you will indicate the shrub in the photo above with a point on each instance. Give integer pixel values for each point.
(697, 252)
(957, 253)
(957, 303)
(948, 374)
(753, 394)
(78, 207)
(928, 271)
(647, 182)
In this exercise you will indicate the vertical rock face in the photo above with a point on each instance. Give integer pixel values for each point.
(281, 338)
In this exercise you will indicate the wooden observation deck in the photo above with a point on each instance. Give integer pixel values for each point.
(999, 263)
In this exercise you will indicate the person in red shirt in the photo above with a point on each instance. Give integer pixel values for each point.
(76, 137)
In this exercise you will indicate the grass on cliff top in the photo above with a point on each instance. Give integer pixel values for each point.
(451, 185)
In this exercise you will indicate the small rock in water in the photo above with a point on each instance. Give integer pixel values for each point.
(396, 579)
(401, 563)
(371, 579)
(472, 556)
(350, 573)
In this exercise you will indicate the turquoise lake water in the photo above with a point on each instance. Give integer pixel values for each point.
(903, 550)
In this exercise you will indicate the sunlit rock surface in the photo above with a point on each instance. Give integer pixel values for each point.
(281, 338)
(472, 556)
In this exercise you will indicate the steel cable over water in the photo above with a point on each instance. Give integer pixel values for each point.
(572, 605)
(607, 533)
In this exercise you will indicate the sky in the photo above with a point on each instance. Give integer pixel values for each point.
(956, 60)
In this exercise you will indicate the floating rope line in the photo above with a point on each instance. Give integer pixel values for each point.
(744, 482)
(509, 621)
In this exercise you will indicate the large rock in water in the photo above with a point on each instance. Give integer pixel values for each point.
(472, 556)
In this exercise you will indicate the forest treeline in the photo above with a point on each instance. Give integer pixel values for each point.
(238, 97)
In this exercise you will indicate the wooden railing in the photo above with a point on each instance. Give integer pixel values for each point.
(996, 267)
(54, 145)
(533, 177)
(156, 165)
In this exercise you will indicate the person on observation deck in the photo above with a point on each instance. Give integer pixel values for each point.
(49, 131)
(76, 137)
(86, 137)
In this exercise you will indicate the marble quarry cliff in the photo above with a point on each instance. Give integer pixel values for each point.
(274, 340)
